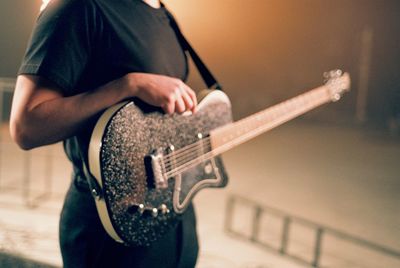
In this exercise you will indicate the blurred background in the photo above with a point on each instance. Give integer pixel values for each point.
(322, 190)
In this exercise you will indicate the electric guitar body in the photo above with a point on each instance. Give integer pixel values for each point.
(137, 203)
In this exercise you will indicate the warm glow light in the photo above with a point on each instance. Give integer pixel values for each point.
(44, 4)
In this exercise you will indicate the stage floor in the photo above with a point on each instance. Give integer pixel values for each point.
(345, 178)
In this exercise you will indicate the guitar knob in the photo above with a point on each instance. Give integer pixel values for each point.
(154, 212)
(164, 209)
(141, 208)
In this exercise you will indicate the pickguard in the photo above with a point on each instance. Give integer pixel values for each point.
(205, 174)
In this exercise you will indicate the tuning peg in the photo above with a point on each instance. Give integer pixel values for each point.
(336, 97)
(332, 74)
(336, 73)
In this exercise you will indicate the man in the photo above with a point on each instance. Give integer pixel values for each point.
(83, 57)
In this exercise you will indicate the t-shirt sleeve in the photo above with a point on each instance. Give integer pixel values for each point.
(61, 43)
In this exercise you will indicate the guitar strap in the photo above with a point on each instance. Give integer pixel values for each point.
(205, 73)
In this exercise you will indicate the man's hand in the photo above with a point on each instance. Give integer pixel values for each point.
(171, 94)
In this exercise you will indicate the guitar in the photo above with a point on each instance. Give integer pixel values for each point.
(146, 166)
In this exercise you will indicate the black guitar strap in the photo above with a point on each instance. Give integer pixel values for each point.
(205, 73)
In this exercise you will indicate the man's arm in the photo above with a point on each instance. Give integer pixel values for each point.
(41, 115)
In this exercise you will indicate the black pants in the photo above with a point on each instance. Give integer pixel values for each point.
(85, 243)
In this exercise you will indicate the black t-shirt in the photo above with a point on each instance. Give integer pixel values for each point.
(82, 44)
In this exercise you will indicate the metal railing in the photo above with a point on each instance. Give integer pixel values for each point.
(287, 222)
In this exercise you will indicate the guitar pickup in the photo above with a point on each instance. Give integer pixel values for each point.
(155, 170)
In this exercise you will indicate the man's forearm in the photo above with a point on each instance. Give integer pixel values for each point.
(45, 116)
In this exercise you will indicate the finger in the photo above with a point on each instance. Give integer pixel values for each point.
(169, 105)
(179, 104)
(187, 100)
(193, 97)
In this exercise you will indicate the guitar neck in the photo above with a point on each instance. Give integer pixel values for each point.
(231, 135)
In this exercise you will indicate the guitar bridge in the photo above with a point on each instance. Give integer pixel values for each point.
(156, 170)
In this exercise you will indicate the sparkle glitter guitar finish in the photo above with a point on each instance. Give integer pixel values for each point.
(147, 166)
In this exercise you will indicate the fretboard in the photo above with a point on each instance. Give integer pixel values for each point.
(231, 135)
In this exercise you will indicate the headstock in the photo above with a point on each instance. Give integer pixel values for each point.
(337, 83)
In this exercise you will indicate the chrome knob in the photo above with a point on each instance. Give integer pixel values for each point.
(164, 209)
(154, 212)
(141, 208)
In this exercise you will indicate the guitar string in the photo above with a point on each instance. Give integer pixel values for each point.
(185, 158)
(172, 165)
(212, 153)
(197, 151)
(187, 149)
(201, 144)
(205, 147)
(177, 151)
(181, 168)
(176, 159)
(272, 114)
